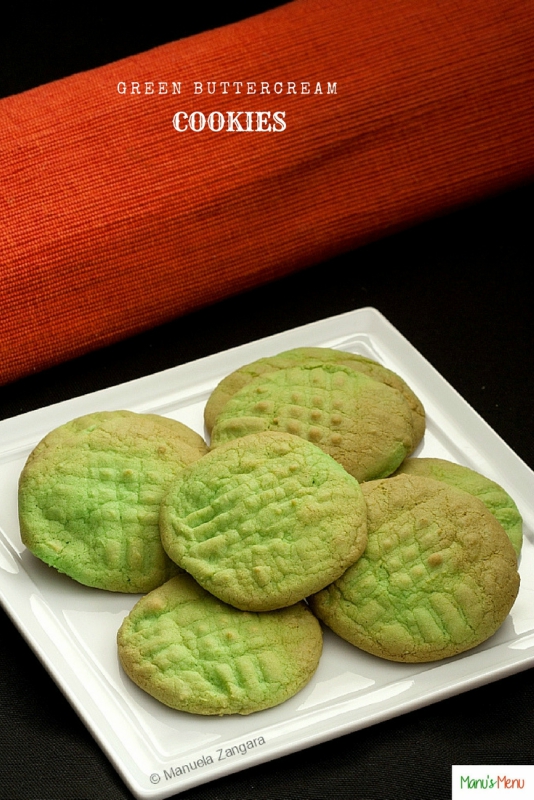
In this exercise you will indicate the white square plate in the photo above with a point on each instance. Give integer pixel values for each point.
(160, 752)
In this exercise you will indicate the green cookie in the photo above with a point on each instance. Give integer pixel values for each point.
(263, 521)
(363, 424)
(313, 356)
(194, 653)
(438, 576)
(90, 492)
(494, 497)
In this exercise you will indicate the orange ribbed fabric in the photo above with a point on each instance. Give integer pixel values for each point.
(114, 221)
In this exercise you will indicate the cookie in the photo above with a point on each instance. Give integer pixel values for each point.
(194, 653)
(313, 356)
(494, 497)
(438, 576)
(90, 492)
(263, 521)
(363, 424)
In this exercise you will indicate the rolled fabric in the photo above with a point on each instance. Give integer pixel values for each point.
(137, 192)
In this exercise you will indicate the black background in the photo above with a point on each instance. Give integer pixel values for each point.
(457, 287)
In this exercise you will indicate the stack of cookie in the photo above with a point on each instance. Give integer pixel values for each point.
(305, 507)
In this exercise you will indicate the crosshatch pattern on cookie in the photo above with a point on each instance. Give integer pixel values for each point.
(438, 576)
(264, 520)
(90, 493)
(494, 497)
(197, 654)
(313, 356)
(362, 423)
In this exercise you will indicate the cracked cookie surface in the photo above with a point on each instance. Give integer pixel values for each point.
(264, 520)
(438, 576)
(195, 653)
(89, 497)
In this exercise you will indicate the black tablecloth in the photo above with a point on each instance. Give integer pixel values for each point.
(459, 289)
